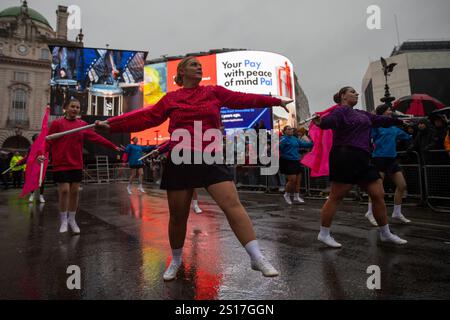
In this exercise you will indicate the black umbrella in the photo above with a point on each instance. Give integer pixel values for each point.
(418, 105)
(444, 111)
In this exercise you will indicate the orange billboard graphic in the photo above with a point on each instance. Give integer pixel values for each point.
(158, 80)
(208, 67)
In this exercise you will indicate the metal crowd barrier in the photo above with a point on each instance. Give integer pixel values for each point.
(116, 172)
(427, 183)
(437, 181)
(317, 186)
(410, 165)
(249, 177)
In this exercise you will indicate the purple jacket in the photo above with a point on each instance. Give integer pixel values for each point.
(351, 127)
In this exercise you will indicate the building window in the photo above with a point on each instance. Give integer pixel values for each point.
(45, 54)
(19, 105)
(20, 76)
(368, 93)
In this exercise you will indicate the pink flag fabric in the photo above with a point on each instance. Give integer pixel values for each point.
(125, 157)
(33, 166)
(317, 159)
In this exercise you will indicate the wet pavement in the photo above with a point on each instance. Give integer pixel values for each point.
(123, 251)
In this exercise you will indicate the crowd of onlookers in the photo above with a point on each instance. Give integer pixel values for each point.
(428, 136)
(430, 140)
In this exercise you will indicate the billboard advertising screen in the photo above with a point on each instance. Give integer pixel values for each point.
(107, 82)
(245, 71)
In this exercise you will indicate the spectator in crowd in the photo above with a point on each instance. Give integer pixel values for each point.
(424, 141)
(439, 125)
(17, 170)
(411, 129)
(303, 134)
(447, 142)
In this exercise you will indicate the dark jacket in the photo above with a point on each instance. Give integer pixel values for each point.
(424, 141)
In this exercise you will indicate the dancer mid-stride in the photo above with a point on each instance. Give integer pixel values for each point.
(134, 152)
(67, 161)
(384, 157)
(185, 106)
(290, 165)
(349, 162)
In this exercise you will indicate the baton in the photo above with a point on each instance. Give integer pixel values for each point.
(314, 116)
(148, 154)
(60, 134)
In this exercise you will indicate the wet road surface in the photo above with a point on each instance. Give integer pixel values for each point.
(123, 250)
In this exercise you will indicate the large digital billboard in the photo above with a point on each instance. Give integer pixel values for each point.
(246, 71)
(107, 82)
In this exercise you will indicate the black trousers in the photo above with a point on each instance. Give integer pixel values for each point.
(5, 180)
(17, 179)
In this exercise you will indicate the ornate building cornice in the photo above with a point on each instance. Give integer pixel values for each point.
(25, 62)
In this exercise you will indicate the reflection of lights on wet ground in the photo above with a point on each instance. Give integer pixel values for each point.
(152, 264)
(201, 253)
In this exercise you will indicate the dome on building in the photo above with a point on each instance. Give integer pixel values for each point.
(16, 11)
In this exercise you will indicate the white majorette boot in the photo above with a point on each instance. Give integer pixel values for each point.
(265, 267)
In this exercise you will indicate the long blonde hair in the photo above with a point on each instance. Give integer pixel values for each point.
(181, 65)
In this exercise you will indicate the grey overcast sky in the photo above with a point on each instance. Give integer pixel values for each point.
(327, 40)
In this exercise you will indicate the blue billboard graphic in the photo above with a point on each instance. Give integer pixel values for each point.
(246, 118)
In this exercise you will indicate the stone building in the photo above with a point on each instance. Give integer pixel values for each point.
(422, 67)
(25, 69)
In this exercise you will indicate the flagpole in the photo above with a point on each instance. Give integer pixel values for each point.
(40, 174)
(7, 170)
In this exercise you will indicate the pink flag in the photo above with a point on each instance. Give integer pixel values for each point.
(317, 159)
(125, 157)
(33, 166)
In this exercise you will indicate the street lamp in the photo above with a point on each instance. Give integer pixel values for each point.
(157, 137)
(387, 70)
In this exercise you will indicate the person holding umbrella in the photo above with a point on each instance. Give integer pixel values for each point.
(425, 141)
(384, 157)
